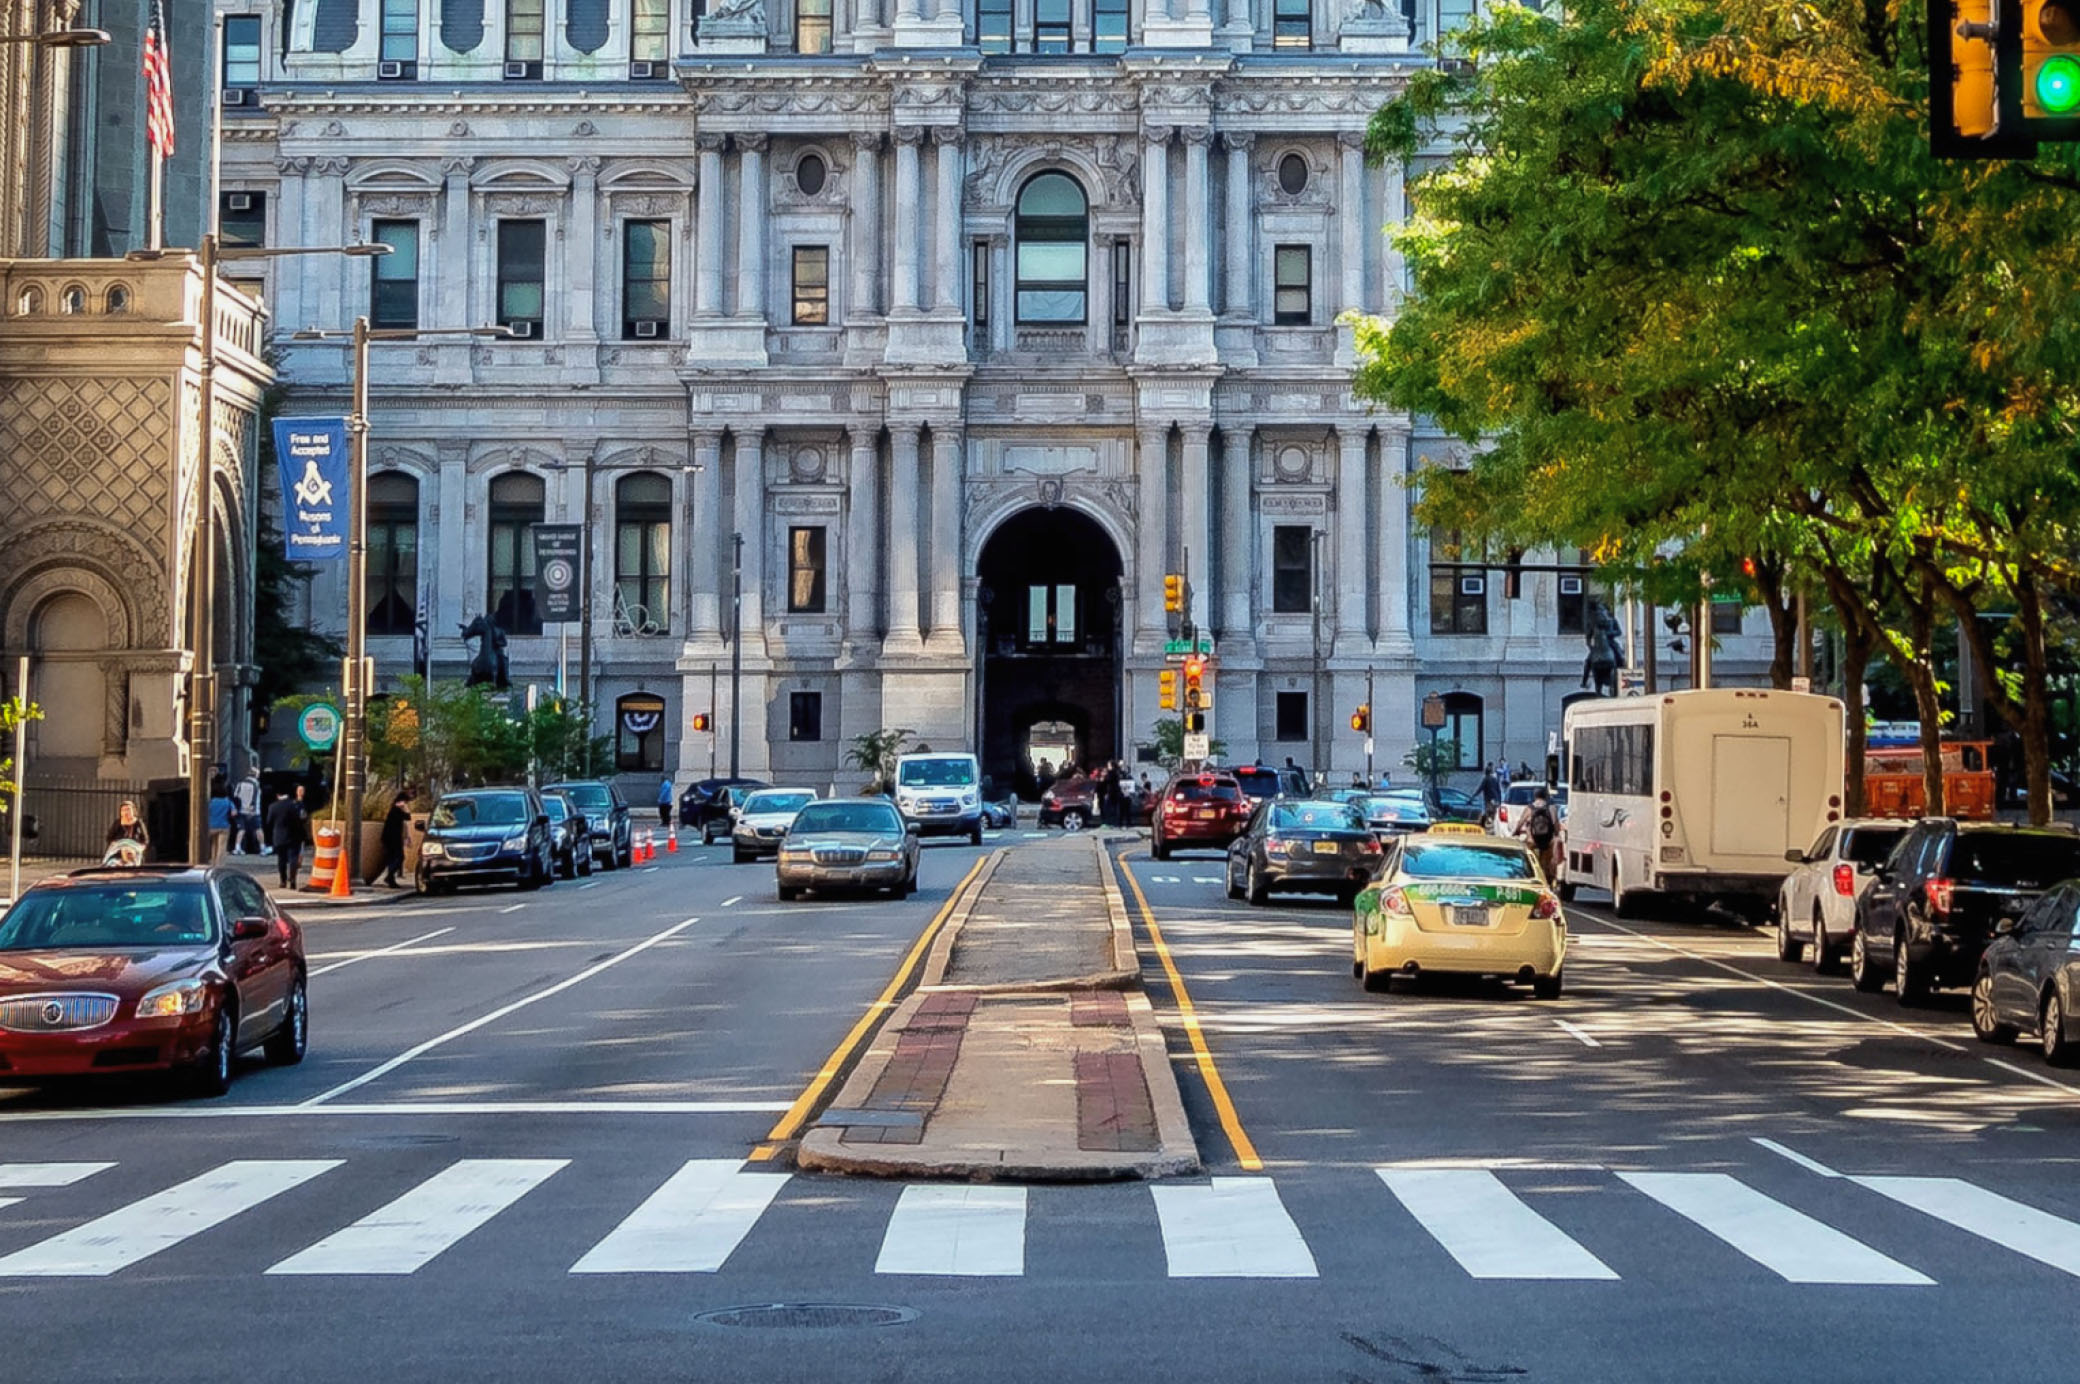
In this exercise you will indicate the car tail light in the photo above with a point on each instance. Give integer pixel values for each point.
(1939, 894)
(1546, 907)
(1274, 845)
(1845, 880)
(1394, 901)
(1369, 846)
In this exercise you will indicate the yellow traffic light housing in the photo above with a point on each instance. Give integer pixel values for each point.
(1194, 682)
(2050, 57)
(1173, 593)
(1361, 719)
(1974, 99)
(1166, 689)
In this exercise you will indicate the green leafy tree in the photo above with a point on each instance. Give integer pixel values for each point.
(13, 712)
(875, 754)
(1169, 732)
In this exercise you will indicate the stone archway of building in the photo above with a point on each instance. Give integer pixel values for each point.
(68, 639)
(1049, 619)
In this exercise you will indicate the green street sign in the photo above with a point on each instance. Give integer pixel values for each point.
(1204, 645)
(319, 726)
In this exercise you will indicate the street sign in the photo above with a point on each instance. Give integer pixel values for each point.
(1198, 746)
(1368, 747)
(1799, 684)
(1173, 648)
(1433, 712)
(556, 572)
(311, 454)
(319, 726)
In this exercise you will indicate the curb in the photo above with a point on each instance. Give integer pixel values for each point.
(941, 956)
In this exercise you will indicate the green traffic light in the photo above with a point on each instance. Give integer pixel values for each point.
(2058, 85)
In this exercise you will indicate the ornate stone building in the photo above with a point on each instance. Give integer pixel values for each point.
(972, 321)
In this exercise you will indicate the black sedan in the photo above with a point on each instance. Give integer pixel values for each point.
(2029, 978)
(570, 835)
(487, 836)
(1303, 846)
(705, 805)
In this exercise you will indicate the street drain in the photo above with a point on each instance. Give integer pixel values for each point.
(808, 1316)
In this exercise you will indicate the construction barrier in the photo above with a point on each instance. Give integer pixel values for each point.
(326, 864)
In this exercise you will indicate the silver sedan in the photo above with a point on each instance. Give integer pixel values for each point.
(857, 844)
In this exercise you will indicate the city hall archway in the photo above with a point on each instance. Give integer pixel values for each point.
(1049, 632)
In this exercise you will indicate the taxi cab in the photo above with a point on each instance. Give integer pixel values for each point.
(1463, 904)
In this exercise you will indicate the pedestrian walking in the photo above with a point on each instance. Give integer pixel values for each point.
(1491, 791)
(664, 804)
(221, 816)
(397, 825)
(1541, 826)
(245, 799)
(288, 827)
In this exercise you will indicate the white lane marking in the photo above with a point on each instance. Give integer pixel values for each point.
(6, 1202)
(386, 951)
(649, 869)
(973, 1232)
(1487, 1227)
(513, 908)
(692, 1224)
(1036, 836)
(385, 1109)
(406, 1235)
(1206, 879)
(1789, 1243)
(732, 903)
(48, 1174)
(495, 1015)
(159, 1222)
(592, 885)
(1777, 985)
(1809, 1164)
(2037, 1077)
(1578, 1033)
(2010, 1224)
(1236, 1228)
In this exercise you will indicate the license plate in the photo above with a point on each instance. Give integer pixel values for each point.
(1328, 848)
(1207, 814)
(1468, 915)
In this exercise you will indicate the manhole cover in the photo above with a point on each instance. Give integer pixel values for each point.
(809, 1316)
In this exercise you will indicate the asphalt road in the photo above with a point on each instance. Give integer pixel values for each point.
(516, 1105)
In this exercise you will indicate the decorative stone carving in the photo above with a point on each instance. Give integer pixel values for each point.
(459, 130)
(1199, 136)
(751, 141)
(584, 129)
(396, 203)
(908, 134)
(710, 142)
(92, 547)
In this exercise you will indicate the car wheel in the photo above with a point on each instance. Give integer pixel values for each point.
(788, 893)
(1909, 985)
(287, 1046)
(1789, 948)
(1546, 987)
(423, 882)
(535, 876)
(1374, 982)
(1255, 889)
(975, 836)
(1863, 972)
(628, 856)
(738, 855)
(1826, 956)
(1072, 820)
(1158, 848)
(1624, 902)
(1228, 879)
(1986, 1018)
(2058, 1046)
(909, 885)
(211, 1075)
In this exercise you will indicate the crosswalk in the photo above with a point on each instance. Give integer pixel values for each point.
(1495, 1224)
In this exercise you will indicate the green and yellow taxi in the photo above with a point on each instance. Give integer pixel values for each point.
(1459, 904)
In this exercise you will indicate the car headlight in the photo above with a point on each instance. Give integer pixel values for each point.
(884, 856)
(170, 1001)
(431, 848)
(970, 799)
(514, 843)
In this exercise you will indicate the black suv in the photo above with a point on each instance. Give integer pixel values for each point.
(606, 812)
(1261, 781)
(705, 806)
(487, 836)
(1929, 913)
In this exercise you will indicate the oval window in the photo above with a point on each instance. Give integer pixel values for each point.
(1292, 175)
(809, 174)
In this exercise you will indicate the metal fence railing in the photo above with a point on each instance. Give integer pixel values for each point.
(68, 819)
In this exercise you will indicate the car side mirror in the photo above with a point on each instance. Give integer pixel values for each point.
(2004, 928)
(1795, 856)
(913, 829)
(249, 929)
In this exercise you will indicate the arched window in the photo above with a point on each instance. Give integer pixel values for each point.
(117, 301)
(1053, 251)
(516, 507)
(639, 733)
(393, 553)
(643, 553)
(1462, 726)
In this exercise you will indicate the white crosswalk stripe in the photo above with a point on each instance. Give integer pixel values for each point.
(406, 1235)
(48, 1174)
(1484, 1225)
(1789, 1243)
(692, 1224)
(971, 1232)
(144, 1228)
(1236, 1228)
(2009, 1224)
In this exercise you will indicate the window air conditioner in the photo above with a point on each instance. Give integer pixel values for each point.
(1570, 586)
(517, 69)
(641, 71)
(1473, 586)
(238, 201)
(235, 96)
(389, 71)
(649, 327)
(523, 329)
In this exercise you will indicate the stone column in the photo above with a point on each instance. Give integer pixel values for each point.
(749, 520)
(946, 270)
(863, 537)
(1352, 531)
(1155, 222)
(946, 535)
(703, 562)
(707, 280)
(1351, 234)
(1395, 571)
(1238, 572)
(908, 137)
(1237, 299)
(907, 10)
(1390, 218)
(1153, 536)
(905, 498)
(1195, 226)
(866, 222)
(582, 249)
(1195, 521)
(325, 195)
(751, 225)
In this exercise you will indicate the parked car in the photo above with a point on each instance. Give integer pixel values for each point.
(1070, 803)
(2029, 978)
(1817, 904)
(173, 969)
(1261, 781)
(763, 819)
(1000, 816)
(848, 843)
(729, 801)
(941, 794)
(1930, 911)
(1449, 804)
(570, 835)
(705, 806)
(1207, 810)
(487, 836)
(1460, 904)
(1302, 845)
(1396, 813)
(606, 813)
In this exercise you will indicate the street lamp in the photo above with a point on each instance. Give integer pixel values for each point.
(736, 648)
(62, 38)
(353, 734)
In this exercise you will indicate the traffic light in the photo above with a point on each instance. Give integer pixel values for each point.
(1195, 723)
(1166, 689)
(1173, 593)
(1974, 99)
(1361, 719)
(702, 721)
(1194, 674)
(2050, 57)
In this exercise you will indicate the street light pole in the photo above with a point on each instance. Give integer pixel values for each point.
(736, 647)
(354, 728)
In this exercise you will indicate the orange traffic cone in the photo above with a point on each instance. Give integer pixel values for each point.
(342, 879)
(645, 857)
(671, 842)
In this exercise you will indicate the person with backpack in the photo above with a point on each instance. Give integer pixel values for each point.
(1541, 826)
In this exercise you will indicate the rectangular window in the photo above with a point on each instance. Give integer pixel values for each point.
(1292, 23)
(1458, 594)
(1293, 285)
(978, 289)
(1292, 716)
(650, 32)
(527, 29)
(512, 557)
(393, 294)
(639, 734)
(242, 218)
(1122, 282)
(399, 38)
(812, 26)
(1051, 26)
(1726, 617)
(241, 51)
(393, 554)
(1109, 26)
(804, 716)
(1613, 759)
(1453, 15)
(522, 247)
(993, 25)
(1462, 727)
(812, 285)
(1292, 569)
(646, 280)
(805, 572)
(1051, 616)
(1036, 615)
(643, 554)
(1574, 602)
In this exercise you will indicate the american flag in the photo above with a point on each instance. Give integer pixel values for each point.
(158, 86)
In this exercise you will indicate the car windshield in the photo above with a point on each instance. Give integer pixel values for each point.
(2026, 859)
(1437, 860)
(1199, 791)
(1317, 817)
(586, 794)
(827, 816)
(486, 810)
(110, 915)
(1390, 807)
(778, 802)
(936, 773)
(1870, 845)
(555, 806)
(1258, 783)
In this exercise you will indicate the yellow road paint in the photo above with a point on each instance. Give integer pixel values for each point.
(1231, 1123)
(798, 1113)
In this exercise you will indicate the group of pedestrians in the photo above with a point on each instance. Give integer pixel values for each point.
(1119, 797)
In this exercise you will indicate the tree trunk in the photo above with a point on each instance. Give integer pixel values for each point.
(1914, 656)
(1783, 623)
(1860, 636)
(2030, 714)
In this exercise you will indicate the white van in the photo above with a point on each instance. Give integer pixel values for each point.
(941, 794)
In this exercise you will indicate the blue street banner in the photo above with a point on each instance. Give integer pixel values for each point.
(312, 454)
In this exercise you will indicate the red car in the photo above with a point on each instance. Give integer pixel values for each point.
(1197, 809)
(173, 969)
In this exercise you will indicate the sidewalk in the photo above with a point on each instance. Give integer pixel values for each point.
(260, 867)
(1027, 1052)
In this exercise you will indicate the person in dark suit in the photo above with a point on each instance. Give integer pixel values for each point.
(288, 828)
(397, 826)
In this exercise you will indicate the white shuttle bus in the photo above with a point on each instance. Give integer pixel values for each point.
(1699, 793)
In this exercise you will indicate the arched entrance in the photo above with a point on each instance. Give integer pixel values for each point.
(1049, 615)
(68, 634)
